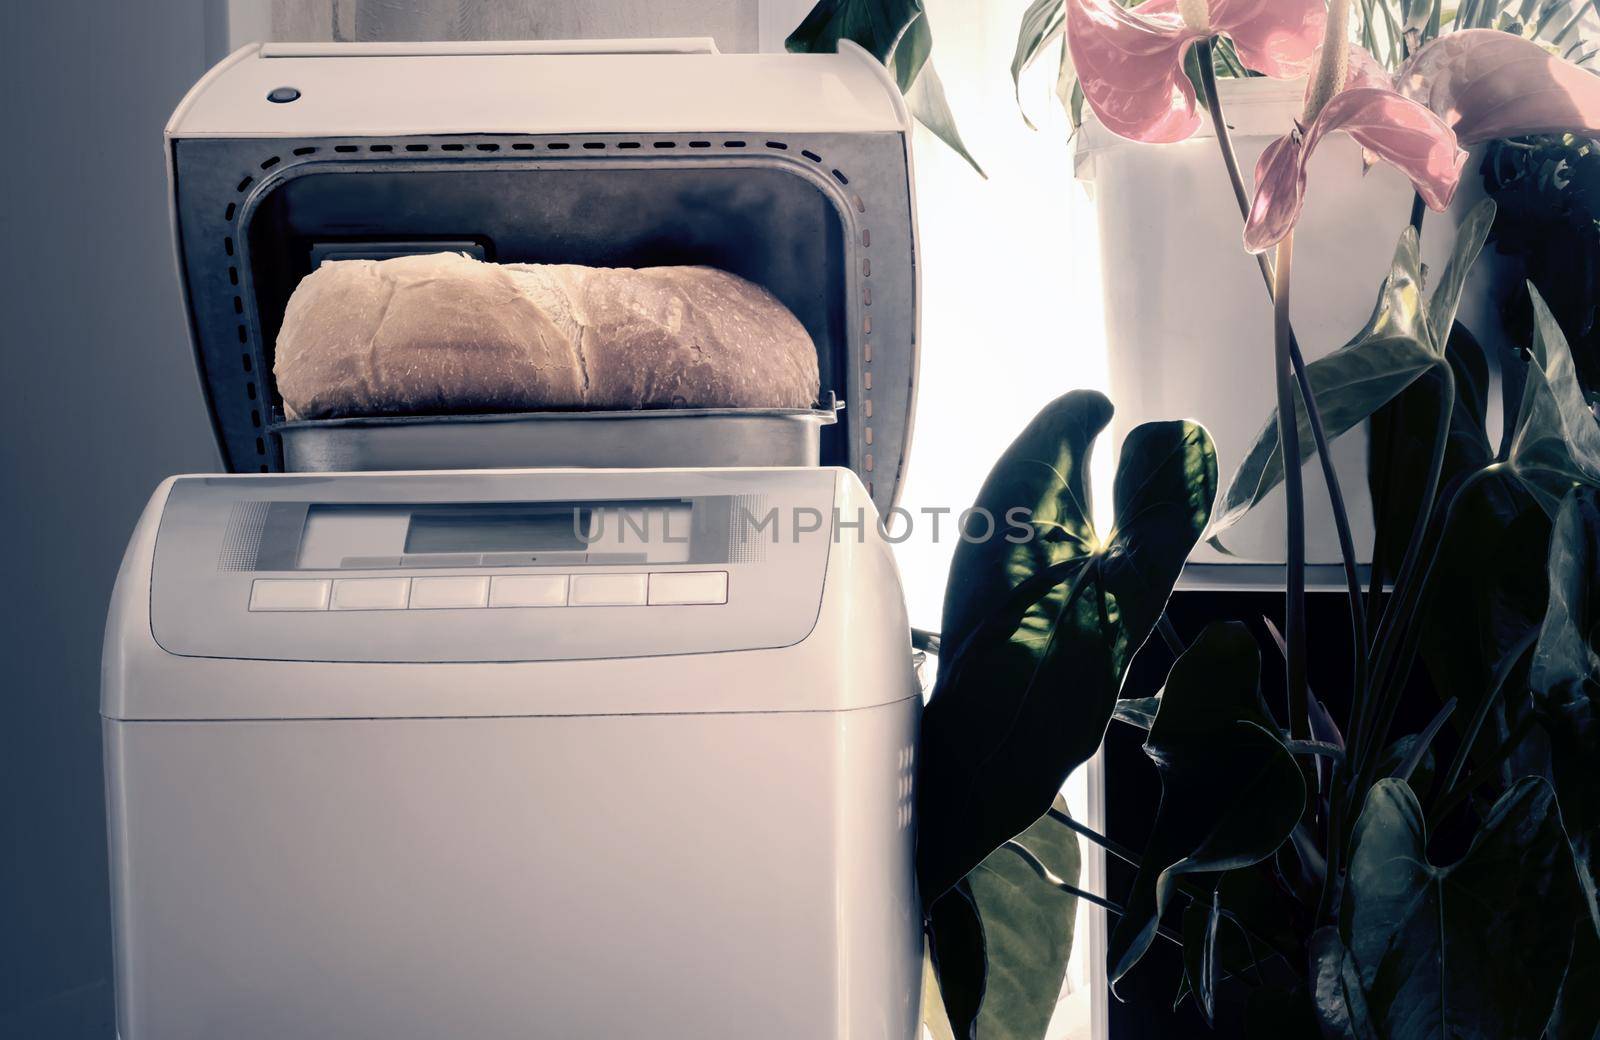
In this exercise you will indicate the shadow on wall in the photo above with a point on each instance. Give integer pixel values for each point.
(102, 402)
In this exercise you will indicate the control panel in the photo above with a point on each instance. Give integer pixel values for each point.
(490, 566)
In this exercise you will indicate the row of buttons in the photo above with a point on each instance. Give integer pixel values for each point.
(678, 588)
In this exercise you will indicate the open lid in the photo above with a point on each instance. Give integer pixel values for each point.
(789, 170)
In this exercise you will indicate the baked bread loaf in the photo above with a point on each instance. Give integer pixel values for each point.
(444, 333)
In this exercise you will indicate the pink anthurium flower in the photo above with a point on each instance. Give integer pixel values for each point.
(1129, 60)
(1388, 126)
(1488, 84)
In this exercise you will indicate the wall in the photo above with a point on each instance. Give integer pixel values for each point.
(732, 23)
(100, 403)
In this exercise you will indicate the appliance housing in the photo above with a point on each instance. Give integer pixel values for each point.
(790, 170)
(672, 799)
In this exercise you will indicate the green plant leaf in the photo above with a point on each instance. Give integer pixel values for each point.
(1565, 678)
(1336, 988)
(1137, 711)
(1557, 443)
(956, 950)
(1384, 358)
(1404, 338)
(1230, 791)
(1027, 918)
(878, 26)
(1038, 634)
(928, 104)
(1417, 932)
(1446, 298)
(1577, 1014)
(896, 33)
(1201, 923)
(1042, 24)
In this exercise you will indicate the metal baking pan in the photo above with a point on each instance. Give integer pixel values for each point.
(648, 438)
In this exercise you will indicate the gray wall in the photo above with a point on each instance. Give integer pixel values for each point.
(100, 402)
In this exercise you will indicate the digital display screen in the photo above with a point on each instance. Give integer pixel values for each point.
(481, 529)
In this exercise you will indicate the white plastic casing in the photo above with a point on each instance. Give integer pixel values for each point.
(710, 845)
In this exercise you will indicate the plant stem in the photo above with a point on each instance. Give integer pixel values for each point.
(1044, 872)
(1294, 498)
(1122, 852)
(1489, 770)
(1330, 476)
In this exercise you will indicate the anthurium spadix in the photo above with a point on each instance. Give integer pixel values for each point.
(1129, 60)
(1388, 125)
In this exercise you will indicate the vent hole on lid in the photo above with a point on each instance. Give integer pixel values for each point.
(233, 275)
(382, 148)
(866, 295)
(861, 207)
(841, 178)
(733, 144)
(699, 144)
(250, 391)
(264, 469)
(809, 154)
(779, 145)
(452, 147)
(261, 446)
(227, 246)
(227, 214)
(255, 417)
(558, 146)
(238, 305)
(488, 147)
(245, 183)
(305, 151)
(663, 144)
(594, 146)
(416, 147)
(244, 359)
(270, 163)
(244, 334)
(522, 146)
(345, 148)
(627, 144)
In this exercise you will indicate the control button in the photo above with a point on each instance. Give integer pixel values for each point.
(370, 593)
(449, 593)
(282, 95)
(528, 590)
(683, 587)
(608, 590)
(289, 594)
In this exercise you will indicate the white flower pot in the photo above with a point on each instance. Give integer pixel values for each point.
(1188, 321)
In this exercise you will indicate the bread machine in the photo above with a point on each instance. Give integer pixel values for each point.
(485, 741)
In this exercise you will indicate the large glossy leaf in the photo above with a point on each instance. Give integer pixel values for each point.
(1404, 338)
(1418, 932)
(1557, 443)
(896, 33)
(1565, 677)
(1384, 358)
(1027, 917)
(1039, 632)
(1230, 791)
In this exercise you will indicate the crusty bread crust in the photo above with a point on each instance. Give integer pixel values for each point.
(444, 333)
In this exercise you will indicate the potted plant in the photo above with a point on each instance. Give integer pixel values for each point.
(1316, 863)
